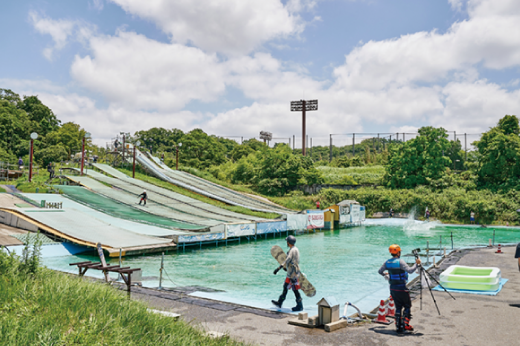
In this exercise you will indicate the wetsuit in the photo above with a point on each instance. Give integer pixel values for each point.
(143, 198)
(292, 280)
(398, 272)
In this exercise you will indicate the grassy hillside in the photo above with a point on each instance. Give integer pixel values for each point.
(50, 308)
(352, 175)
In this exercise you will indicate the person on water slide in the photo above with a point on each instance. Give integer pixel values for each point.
(144, 197)
(293, 273)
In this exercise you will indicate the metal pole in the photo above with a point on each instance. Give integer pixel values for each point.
(177, 158)
(303, 127)
(160, 271)
(493, 237)
(454, 136)
(452, 240)
(30, 160)
(124, 148)
(353, 144)
(311, 148)
(378, 143)
(330, 149)
(404, 140)
(293, 142)
(465, 148)
(241, 139)
(133, 166)
(82, 155)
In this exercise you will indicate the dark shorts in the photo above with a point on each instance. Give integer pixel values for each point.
(517, 253)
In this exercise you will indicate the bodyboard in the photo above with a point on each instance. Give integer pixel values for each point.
(280, 256)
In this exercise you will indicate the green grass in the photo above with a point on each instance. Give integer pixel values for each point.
(180, 190)
(2, 190)
(352, 175)
(51, 308)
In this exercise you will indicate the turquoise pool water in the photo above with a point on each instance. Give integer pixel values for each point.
(342, 263)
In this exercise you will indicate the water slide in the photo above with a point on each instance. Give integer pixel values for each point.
(152, 207)
(166, 196)
(85, 226)
(206, 189)
(216, 189)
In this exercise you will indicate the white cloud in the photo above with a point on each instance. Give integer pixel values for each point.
(98, 4)
(60, 31)
(132, 71)
(228, 26)
(425, 78)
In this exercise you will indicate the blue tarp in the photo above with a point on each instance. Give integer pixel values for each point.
(485, 293)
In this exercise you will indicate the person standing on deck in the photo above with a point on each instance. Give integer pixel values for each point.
(397, 276)
(20, 163)
(292, 280)
(144, 197)
(472, 218)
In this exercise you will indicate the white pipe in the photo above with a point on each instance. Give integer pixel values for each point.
(355, 307)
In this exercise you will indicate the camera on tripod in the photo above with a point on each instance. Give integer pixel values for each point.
(415, 252)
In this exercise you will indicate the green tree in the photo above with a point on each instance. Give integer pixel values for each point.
(159, 139)
(42, 117)
(200, 150)
(419, 160)
(70, 137)
(509, 125)
(499, 154)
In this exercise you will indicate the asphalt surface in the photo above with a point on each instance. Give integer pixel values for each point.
(468, 320)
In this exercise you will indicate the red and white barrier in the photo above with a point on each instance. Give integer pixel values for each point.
(499, 249)
(381, 314)
(390, 308)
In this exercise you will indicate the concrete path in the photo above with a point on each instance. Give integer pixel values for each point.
(468, 320)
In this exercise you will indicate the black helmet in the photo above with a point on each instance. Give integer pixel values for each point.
(291, 239)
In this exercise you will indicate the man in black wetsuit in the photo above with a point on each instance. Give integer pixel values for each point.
(397, 276)
(144, 197)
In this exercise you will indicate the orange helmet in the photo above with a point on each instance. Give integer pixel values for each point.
(394, 249)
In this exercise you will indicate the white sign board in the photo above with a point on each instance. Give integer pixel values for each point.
(344, 214)
(315, 219)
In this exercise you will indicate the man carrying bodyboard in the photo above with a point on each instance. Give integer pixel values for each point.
(292, 280)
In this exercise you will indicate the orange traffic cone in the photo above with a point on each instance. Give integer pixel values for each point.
(390, 308)
(381, 314)
(499, 250)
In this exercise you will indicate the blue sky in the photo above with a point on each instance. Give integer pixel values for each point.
(232, 67)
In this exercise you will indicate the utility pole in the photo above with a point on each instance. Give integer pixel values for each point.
(353, 144)
(304, 106)
(330, 148)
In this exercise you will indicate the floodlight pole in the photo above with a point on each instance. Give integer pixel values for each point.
(303, 127)
(304, 106)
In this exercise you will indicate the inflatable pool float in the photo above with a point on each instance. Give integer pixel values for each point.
(471, 278)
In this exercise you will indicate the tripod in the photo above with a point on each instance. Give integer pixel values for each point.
(424, 273)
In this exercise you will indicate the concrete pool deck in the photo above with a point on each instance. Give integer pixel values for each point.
(468, 320)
